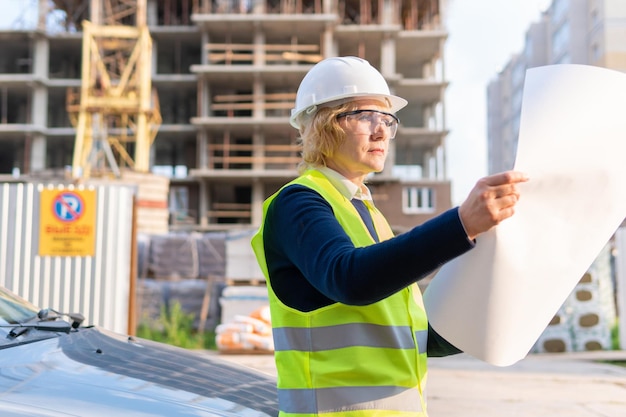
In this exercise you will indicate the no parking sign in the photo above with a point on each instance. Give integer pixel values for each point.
(67, 222)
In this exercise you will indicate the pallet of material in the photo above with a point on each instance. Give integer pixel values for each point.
(254, 282)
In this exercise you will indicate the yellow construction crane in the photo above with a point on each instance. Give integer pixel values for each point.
(116, 109)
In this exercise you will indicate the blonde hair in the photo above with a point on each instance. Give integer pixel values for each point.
(321, 136)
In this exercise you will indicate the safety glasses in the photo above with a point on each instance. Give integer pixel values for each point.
(365, 121)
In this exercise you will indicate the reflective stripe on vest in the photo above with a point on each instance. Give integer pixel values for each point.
(376, 352)
(332, 400)
(347, 335)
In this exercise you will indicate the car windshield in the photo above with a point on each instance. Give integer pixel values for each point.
(20, 322)
(15, 310)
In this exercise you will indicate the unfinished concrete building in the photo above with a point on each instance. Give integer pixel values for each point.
(226, 73)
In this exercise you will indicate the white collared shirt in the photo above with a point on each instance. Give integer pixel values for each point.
(346, 187)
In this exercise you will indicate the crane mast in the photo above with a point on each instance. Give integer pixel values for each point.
(116, 111)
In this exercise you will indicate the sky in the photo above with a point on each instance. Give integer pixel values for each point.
(483, 36)
(14, 13)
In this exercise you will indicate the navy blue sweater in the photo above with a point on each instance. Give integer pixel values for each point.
(313, 263)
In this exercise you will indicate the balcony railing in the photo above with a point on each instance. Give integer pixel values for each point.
(268, 6)
(244, 53)
(236, 102)
(230, 213)
(224, 156)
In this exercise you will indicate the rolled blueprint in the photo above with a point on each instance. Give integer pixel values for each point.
(495, 301)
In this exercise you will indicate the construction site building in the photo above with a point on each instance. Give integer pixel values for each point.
(226, 73)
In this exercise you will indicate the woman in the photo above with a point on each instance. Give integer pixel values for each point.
(350, 331)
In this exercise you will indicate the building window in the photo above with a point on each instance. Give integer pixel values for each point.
(595, 53)
(559, 10)
(564, 59)
(561, 39)
(519, 72)
(418, 200)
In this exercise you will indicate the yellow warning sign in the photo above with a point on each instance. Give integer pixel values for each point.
(67, 223)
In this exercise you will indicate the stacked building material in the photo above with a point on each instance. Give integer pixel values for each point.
(176, 256)
(184, 268)
(143, 255)
(211, 255)
(173, 256)
(241, 264)
(246, 333)
(241, 300)
(195, 296)
(151, 201)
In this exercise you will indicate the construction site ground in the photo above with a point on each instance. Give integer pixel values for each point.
(578, 384)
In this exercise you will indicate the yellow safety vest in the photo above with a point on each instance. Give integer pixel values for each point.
(349, 361)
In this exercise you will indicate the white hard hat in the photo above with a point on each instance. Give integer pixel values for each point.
(334, 80)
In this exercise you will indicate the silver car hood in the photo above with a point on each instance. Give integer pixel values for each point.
(91, 372)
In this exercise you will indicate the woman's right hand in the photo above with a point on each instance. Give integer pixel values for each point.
(491, 201)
